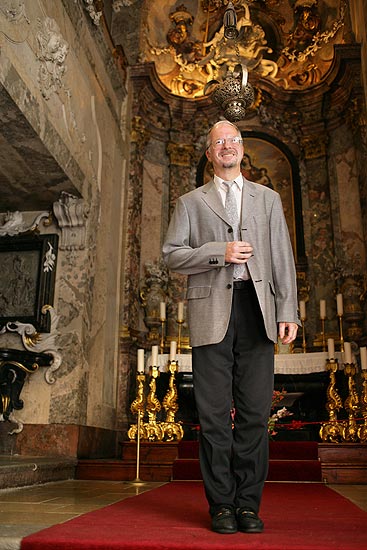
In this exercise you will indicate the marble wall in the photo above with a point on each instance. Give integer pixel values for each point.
(58, 69)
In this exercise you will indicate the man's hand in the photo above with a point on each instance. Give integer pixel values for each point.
(238, 252)
(287, 332)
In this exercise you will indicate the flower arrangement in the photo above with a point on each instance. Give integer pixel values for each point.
(278, 396)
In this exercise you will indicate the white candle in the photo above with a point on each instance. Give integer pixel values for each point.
(322, 309)
(331, 348)
(348, 352)
(180, 310)
(172, 350)
(154, 356)
(363, 352)
(339, 304)
(140, 366)
(302, 309)
(163, 311)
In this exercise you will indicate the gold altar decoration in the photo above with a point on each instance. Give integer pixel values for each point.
(331, 431)
(347, 430)
(286, 43)
(362, 430)
(154, 430)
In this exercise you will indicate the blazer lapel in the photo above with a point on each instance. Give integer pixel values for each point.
(212, 198)
(248, 202)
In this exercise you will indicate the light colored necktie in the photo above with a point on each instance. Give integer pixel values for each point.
(232, 213)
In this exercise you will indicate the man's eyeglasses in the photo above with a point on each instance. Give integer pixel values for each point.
(230, 141)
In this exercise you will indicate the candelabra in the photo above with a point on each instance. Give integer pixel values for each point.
(172, 430)
(350, 429)
(135, 431)
(332, 431)
(340, 318)
(152, 429)
(362, 430)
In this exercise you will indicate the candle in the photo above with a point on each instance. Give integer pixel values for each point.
(363, 352)
(331, 348)
(172, 350)
(140, 367)
(348, 352)
(302, 309)
(339, 304)
(163, 311)
(322, 309)
(180, 310)
(154, 356)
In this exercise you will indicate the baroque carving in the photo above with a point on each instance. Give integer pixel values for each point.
(314, 146)
(52, 53)
(180, 154)
(14, 223)
(95, 10)
(71, 213)
(288, 43)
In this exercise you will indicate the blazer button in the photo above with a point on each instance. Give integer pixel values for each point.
(229, 285)
(230, 230)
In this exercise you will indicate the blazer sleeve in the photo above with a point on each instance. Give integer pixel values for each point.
(283, 267)
(177, 251)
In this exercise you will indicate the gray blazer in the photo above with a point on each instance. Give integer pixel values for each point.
(195, 245)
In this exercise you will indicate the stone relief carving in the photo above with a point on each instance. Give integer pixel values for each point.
(53, 50)
(71, 213)
(118, 4)
(94, 8)
(14, 11)
(15, 24)
(14, 223)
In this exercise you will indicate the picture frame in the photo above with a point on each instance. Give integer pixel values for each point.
(28, 263)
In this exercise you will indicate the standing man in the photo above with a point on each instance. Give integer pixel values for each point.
(230, 237)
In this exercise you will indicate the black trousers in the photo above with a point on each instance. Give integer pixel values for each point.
(239, 372)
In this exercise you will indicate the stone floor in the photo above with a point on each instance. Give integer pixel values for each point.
(29, 509)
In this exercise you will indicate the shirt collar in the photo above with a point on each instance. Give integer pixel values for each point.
(218, 181)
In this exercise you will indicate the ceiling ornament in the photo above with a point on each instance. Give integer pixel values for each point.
(233, 93)
(289, 43)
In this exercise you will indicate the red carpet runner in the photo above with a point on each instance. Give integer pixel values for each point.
(303, 516)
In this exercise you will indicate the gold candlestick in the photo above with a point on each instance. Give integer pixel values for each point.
(180, 322)
(161, 344)
(331, 431)
(172, 430)
(340, 317)
(137, 407)
(350, 430)
(152, 429)
(304, 346)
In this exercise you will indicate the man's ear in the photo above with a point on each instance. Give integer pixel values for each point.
(207, 153)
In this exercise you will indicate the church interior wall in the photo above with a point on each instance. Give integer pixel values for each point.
(128, 149)
(75, 107)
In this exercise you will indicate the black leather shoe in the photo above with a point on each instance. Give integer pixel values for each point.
(248, 521)
(224, 521)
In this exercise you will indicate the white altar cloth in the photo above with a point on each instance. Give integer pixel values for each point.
(285, 363)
